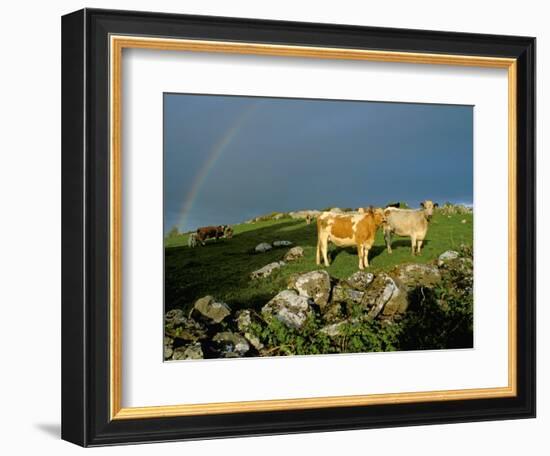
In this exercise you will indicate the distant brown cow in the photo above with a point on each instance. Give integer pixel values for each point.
(213, 232)
(345, 230)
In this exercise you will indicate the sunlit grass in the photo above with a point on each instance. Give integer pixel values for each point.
(222, 267)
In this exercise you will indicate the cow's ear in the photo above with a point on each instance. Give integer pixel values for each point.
(422, 204)
(436, 205)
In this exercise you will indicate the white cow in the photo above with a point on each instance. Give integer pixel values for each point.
(408, 222)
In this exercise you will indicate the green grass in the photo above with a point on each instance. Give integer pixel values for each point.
(222, 267)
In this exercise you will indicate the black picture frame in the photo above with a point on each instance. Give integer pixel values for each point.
(85, 224)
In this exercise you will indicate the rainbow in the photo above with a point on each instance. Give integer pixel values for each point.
(215, 153)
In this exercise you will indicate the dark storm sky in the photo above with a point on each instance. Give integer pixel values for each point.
(228, 159)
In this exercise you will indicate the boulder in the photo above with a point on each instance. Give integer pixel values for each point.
(335, 329)
(212, 310)
(360, 280)
(288, 307)
(386, 295)
(282, 243)
(243, 319)
(342, 293)
(294, 253)
(314, 285)
(192, 351)
(187, 329)
(168, 349)
(447, 256)
(231, 345)
(266, 270)
(417, 275)
(263, 247)
(174, 317)
(254, 341)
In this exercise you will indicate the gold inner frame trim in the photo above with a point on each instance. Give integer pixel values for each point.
(117, 44)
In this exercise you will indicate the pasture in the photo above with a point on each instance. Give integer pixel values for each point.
(222, 268)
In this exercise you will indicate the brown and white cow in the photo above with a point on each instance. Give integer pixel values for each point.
(345, 230)
(213, 232)
(412, 223)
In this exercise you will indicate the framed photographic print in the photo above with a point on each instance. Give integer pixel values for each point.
(275, 227)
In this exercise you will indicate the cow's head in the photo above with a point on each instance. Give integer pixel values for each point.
(428, 207)
(379, 216)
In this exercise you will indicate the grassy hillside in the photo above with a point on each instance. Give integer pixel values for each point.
(222, 267)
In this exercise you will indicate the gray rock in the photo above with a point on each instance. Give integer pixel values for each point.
(187, 329)
(193, 351)
(342, 293)
(266, 270)
(360, 280)
(263, 247)
(314, 285)
(386, 296)
(447, 256)
(243, 319)
(254, 341)
(294, 253)
(168, 350)
(282, 243)
(335, 329)
(212, 310)
(231, 345)
(414, 275)
(288, 307)
(174, 317)
(304, 214)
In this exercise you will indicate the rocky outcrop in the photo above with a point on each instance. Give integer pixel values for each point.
(211, 310)
(417, 275)
(349, 312)
(192, 351)
(266, 270)
(447, 256)
(360, 280)
(386, 296)
(289, 308)
(168, 347)
(343, 293)
(294, 254)
(231, 345)
(314, 285)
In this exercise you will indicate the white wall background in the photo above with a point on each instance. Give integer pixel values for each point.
(30, 192)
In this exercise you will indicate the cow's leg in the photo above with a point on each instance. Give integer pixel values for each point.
(360, 254)
(324, 249)
(419, 246)
(413, 245)
(318, 255)
(387, 237)
(366, 256)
